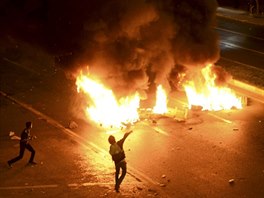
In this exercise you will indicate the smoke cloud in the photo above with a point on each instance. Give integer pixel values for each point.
(127, 44)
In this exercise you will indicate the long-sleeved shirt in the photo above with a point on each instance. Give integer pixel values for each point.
(116, 150)
(25, 136)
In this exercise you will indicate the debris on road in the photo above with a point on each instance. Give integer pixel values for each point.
(139, 188)
(152, 192)
(73, 125)
(231, 181)
(154, 122)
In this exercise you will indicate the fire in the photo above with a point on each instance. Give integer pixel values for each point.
(105, 109)
(206, 94)
(161, 101)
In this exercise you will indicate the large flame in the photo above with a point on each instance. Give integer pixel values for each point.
(161, 101)
(206, 94)
(105, 109)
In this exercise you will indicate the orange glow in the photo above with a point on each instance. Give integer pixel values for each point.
(104, 108)
(206, 94)
(161, 101)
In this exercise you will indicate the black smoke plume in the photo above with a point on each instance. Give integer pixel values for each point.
(128, 44)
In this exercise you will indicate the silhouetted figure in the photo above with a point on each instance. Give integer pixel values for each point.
(118, 156)
(24, 144)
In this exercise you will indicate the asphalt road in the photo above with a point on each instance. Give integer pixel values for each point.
(209, 155)
(218, 154)
(241, 45)
(242, 51)
(69, 164)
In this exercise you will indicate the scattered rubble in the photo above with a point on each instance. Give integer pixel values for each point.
(231, 181)
(139, 188)
(73, 125)
(154, 122)
(152, 191)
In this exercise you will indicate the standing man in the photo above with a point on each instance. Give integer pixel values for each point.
(118, 156)
(24, 144)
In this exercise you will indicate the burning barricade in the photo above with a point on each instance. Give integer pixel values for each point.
(201, 91)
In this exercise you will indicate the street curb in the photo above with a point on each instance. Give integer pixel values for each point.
(248, 90)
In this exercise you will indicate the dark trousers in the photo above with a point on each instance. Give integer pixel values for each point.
(23, 146)
(118, 166)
